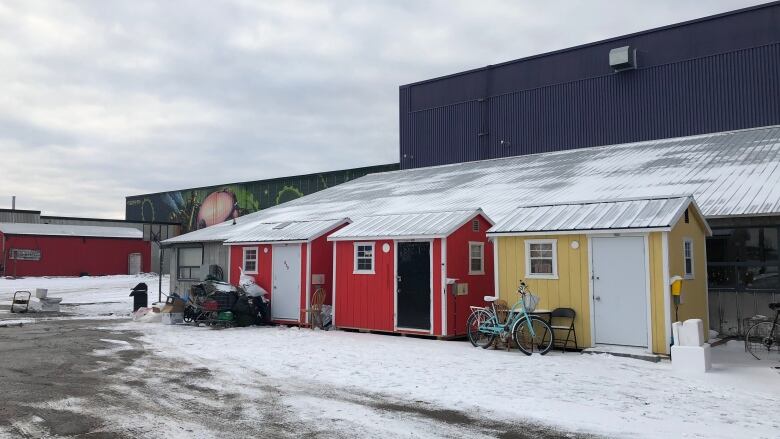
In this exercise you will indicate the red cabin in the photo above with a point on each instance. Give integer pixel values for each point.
(32, 249)
(413, 273)
(289, 260)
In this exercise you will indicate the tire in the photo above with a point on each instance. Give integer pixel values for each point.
(542, 340)
(762, 341)
(476, 337)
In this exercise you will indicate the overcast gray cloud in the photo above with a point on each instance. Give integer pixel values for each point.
(100, 100)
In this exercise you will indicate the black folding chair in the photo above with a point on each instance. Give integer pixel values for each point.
(561, 314)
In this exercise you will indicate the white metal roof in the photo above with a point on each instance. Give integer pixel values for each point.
(644, 214)
(285, 231)
(733, 173)
(70, 230)
(406, 225)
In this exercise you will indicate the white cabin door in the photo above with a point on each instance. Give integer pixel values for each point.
(134, 263)
(619, 290)
(286, 294)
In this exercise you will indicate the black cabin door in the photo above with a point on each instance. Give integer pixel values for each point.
(414, 285)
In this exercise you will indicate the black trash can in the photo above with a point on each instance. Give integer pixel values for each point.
(140, 296)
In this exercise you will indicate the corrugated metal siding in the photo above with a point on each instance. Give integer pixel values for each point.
(184, 206)
(72, 256)
(716, 76)
(729, 174)
(214, 253)
(17, 216)
(405, 224)
(294, 231)
(69, 230)
(633, 214)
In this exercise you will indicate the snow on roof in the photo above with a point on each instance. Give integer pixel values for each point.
(647, 213)
(405, 225)
(285, 231)
(70, 230)
(729, 173)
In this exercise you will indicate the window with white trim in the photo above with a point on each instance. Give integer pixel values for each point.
(250, 260)
(364, 257)
(476, 258)
(188, 262)
(541, 258)
(688, 257)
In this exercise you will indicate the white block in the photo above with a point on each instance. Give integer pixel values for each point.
(676, 332)
(172, 318)
(691, 333)
(41, 293)
(691, 359)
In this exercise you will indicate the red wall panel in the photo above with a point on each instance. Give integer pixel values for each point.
(322, 263)
(458, 267)
(72, 256)
(263, 276)
(365, 301)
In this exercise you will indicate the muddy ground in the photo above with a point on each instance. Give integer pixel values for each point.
(87, 379)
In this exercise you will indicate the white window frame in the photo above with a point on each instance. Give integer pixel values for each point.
(190, 268)
(554, 274)
(257, 260)
(687, 275)
(373, 258)
(481, 246)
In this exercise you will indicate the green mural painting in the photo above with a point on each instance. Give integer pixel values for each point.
(202, 207)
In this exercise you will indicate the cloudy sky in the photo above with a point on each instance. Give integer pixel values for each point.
(104, 99)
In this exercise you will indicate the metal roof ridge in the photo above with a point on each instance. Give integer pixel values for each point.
(608, 201)
(297, 221)
(422, 212)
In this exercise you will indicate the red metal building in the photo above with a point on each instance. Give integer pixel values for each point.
(28, 249)
(289, 260)
(414, 273)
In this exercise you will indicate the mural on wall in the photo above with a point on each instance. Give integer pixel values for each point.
(202, 207)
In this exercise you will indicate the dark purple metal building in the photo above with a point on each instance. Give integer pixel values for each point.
(713, 74)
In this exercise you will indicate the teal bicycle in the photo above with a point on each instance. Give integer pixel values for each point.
(529, 332)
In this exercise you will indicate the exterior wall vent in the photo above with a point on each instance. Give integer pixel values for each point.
(622, 58)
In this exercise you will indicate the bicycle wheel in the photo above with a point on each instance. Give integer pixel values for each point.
(477, 337)
(540, 340)
(763, 341)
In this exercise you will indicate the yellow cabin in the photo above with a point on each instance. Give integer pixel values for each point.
(613, 262)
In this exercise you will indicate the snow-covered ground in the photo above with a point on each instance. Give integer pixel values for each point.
(586, 393)
(599, 394)
(93, 296)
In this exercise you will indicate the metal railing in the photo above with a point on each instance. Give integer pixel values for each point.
(732, 310)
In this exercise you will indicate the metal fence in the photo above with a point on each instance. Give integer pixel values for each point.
(732, 311)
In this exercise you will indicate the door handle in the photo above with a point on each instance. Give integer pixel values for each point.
(598, 298)
(398, 278)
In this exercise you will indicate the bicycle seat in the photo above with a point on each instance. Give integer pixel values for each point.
(774, 306)
(490, 298)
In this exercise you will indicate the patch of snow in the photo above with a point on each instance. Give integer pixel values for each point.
(93, 296)
(584, 393)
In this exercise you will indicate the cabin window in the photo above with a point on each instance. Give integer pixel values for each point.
(364, 257)
(476, 258)
(541, 259)
(250, 260)
(188, 262)
(688, 257)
